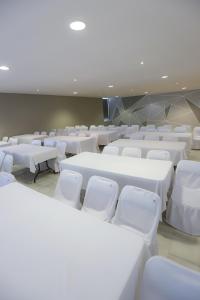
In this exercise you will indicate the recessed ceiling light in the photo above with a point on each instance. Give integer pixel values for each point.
(111, 86)
(105, 98)
(184, 88)
(164, 76)
(75, 93)
(146, 93)
(4, 68)
(77, 25)
(142, 62)
(75, 80)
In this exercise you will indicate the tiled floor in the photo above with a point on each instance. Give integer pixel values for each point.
(180, 247)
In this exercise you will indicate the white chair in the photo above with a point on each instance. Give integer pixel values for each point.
(68, 188)
(158, 154)
(152, 137)
(73, 134)
(52, 133)
(111, 150)
(82, 134)
(180, 129)
(183, 210)
(101, 197)
(13, 141)
(6, 178)
(49, 143)
(36, 133)
(137, 136)
(139, 210)
(7, 165)
(196, 138)
(164, 279)
(43, 133)
(170, 138)
(36, 142)
(61, 149)
(5, 139)
(93, 128)
(143, 128)
(2, 156)
(132, 152)
(163, 129)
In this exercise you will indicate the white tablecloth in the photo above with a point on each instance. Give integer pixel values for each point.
(177, 150)
(4, 144)
(28, 138)
(77, 144)
(30, 156)
(153, 175)
(52, 251)
(182, 137)
(105, 137)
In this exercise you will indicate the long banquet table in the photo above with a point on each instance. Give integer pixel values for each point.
(77, 144)
(148, 174)
(4, 144)
(177, 150)
(55, 252)
(28, 138)
(104, 137)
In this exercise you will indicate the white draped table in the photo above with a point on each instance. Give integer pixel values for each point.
(177, 150)
(4, 144)
(104, 137)
(52, 251)
(153, 175)
(77, 144)
(28, 138)
(30, 156)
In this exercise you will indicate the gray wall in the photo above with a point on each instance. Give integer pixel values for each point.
(21, 113)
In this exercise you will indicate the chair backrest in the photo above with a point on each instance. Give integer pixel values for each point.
(101, 197)
(170, 138)
(187, 181)
(138, 209)
(112, 150)
(180, 129)
(163, 129)
(36, 142)
(68, 188)
(158, 154)
(143, 128)
(7, 165)
(52, 133)
(43, 133)
(196, 131)
(61, 149)
(49, 143)
(164, 279)
(132, 152)
(36, 132)
(13, 141)
(137, 136)
(152, 137)
(2, 156)
(6, 178)
(5, 139)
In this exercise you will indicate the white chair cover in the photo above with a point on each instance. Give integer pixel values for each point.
(36, 132)
(61, 150)
(101, 197)
(43, 133)
(68, 188)
(164, 279)
(170, 138)
(196, 138)
(49, 143)
(5, 139)
(132, 152)
(73, 133)
(163, 129)
(2, 156)
(143, 128)
(52, 133)
(7, 165)
(139, 210)
(151, 137)
(112, 150)
(6, 178)
(180, 129)
(158, 154)
(137, 136)
(13, 141)
(183, 211)
(36, 142)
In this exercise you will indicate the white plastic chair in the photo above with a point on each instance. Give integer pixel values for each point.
(111, 150)
(139, 210)
(36, 142)
(183, 210)
(52, 133)
(159, 155)
(2, 156)
(151, 137)
(101, 197)
(49, 143)
(13, 141)
(170, 138)
(6, 178)
(5, 139)
(132, 152)
(164, 279)
(7, 165)
(68, 188)
(36, 133)
(43, 133)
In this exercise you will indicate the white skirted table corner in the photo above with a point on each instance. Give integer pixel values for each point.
(153, 175)
(28, 138)
(177, 150)
(52, 251)
(3, 144)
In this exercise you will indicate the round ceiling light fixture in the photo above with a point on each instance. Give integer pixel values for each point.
(4, 68)
(77, 25)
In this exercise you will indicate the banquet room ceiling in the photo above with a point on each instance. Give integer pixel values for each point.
(45, 56)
